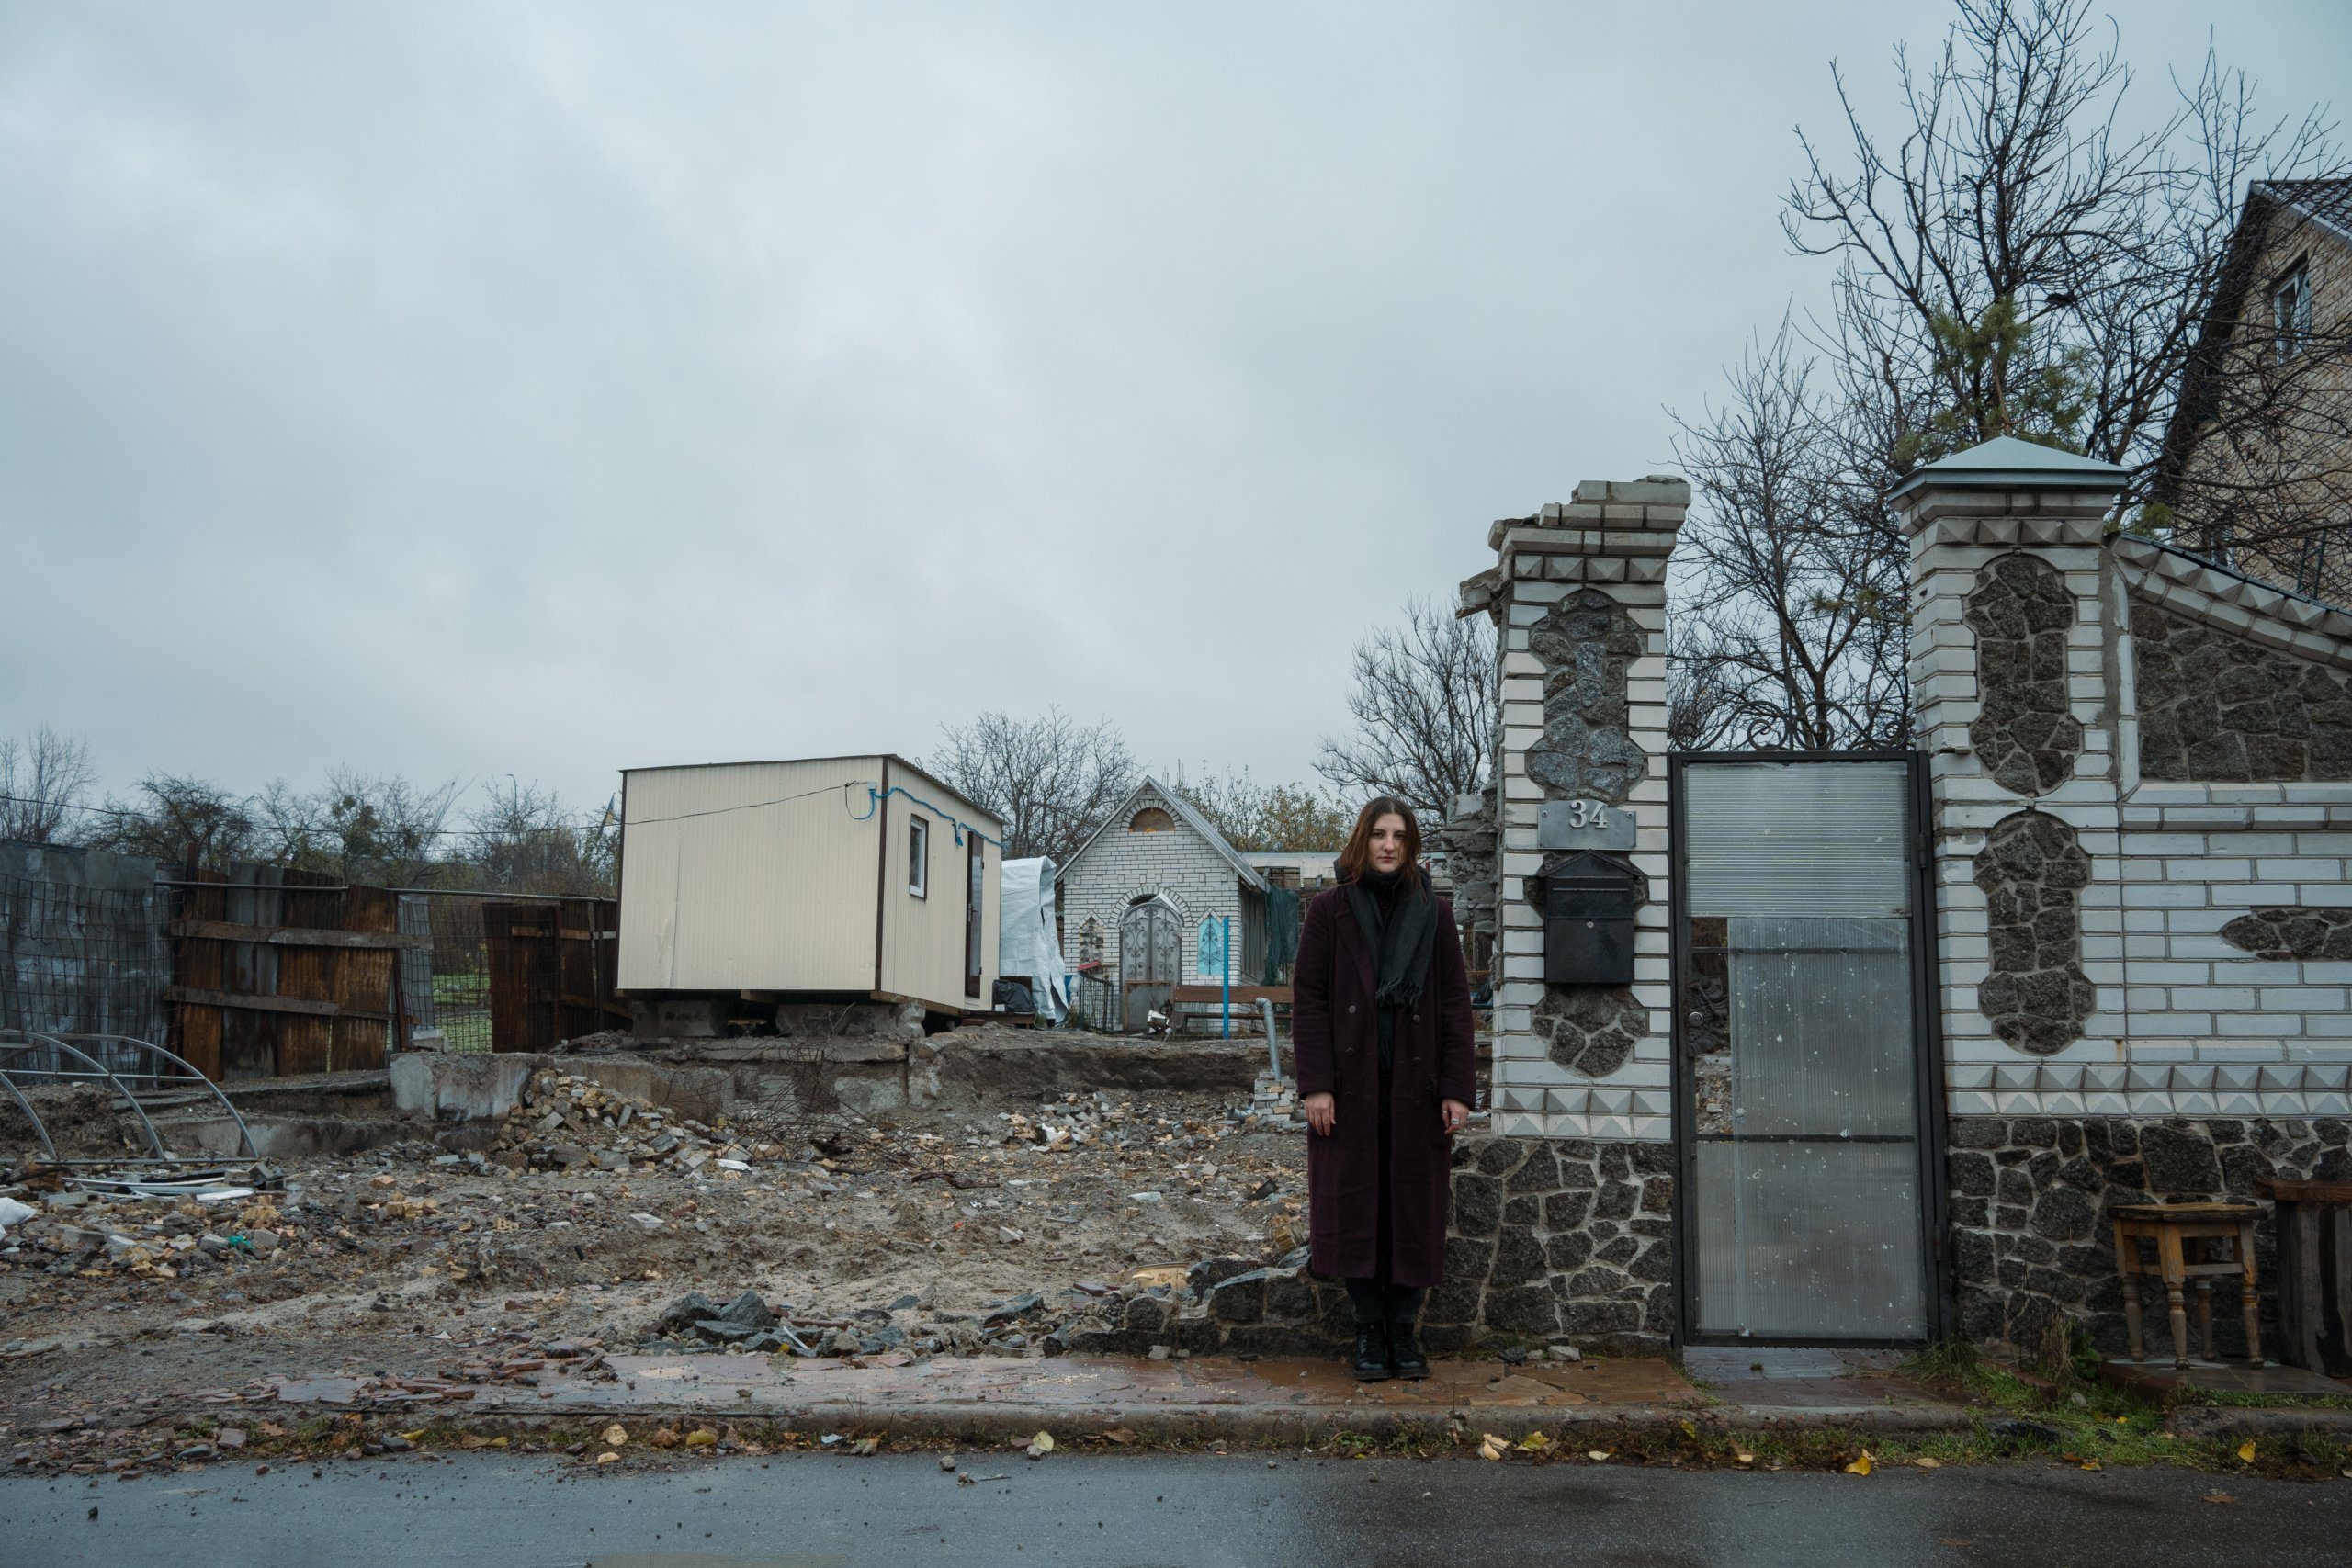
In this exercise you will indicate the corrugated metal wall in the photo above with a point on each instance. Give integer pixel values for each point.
(750, 876)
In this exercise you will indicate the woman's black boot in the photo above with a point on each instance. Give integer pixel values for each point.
(1371, 1364)
(1405, 1352)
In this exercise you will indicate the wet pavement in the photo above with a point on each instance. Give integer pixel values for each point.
(807, 1510)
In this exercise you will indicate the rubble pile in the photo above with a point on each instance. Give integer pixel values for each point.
(562, 1120)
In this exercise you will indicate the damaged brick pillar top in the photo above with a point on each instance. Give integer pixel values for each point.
(2013, 664)
(1577, 594)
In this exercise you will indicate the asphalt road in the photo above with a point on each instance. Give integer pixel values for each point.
(818, 1511)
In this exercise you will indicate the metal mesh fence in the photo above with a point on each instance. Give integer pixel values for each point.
(1094, 999)
(447, 986)
(78, 959)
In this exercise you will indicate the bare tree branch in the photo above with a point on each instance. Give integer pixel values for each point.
(1424, 702)
(1051, 779)
(42, 781)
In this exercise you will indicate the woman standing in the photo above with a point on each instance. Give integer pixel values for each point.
(1381, 1020)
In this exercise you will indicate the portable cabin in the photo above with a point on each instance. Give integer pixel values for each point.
(829, 877)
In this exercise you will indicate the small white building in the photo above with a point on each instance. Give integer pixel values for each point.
(831, 877)
(1136, 895)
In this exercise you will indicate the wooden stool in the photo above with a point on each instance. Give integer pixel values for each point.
(2173, 1228)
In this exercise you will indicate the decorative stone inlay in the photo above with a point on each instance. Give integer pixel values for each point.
(2218, 708)
(2294, 934)
(1549, 1239)
(2030, 1195)
(2020, 610)
(1587, 644)
(1590, 1030)
(2033, 869)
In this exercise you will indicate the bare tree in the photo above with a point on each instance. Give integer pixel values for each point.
(1792, 634)
(2012, 260)
(181, 823)
(523, 841)
(42, 781)
(384, 832)
(1051, 779)
(1424, 703)
(1251, 816)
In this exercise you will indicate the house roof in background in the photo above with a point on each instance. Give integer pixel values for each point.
(1185, 813)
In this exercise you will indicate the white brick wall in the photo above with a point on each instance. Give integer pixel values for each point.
(2186, 1025)
(1119, 866)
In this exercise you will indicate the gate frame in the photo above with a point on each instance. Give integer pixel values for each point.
(1927, 1049)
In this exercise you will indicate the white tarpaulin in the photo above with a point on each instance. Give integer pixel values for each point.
(1029, 944)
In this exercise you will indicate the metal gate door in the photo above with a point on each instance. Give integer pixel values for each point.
(1806, 1103)
(1148, 957)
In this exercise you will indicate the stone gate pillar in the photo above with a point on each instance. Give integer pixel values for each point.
(1578, 598)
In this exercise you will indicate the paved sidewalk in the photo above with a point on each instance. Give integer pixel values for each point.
(1185, 1399)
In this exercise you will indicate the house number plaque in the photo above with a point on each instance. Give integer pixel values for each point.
(1583, 825)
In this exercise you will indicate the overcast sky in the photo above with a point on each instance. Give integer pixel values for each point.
(460, 390)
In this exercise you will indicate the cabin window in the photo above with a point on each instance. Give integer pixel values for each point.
(918, 857)
(1152, 819)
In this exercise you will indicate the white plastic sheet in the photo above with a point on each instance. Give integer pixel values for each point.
(1028, 942)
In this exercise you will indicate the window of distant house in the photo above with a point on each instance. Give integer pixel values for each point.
(918, 857)
(1152, 820)
(2291, 309)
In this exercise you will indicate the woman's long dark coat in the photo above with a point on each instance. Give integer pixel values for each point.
(1335, 1033)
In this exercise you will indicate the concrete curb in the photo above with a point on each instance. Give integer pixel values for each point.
(2211, 1421)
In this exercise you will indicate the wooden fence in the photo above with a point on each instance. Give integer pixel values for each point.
(280, 973)
(553, 968)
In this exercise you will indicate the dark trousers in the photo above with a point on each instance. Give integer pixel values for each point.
(1377, 1300)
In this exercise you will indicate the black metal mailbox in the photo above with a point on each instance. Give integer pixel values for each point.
(1589, 906)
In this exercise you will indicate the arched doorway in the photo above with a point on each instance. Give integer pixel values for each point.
(1150, 952)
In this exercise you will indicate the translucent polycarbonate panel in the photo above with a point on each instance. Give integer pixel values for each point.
(1808, 1240)
(1796, 839)
(1821, 1027)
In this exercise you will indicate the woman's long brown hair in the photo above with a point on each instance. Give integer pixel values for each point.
(1355, 858)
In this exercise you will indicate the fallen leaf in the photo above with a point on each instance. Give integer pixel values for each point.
(1491, 1448)
(663, 1438)
(1120, 1434)
(2245, 1450)
(2092, 1464)
(1861, 1465)
(1925, 1464)
(1043, 1442)
(702, 1438)
(412, 1437)
(2219, 1497)
(1534, 1443)
(1689, 1431)
(1743, 1456)
(615, 1435)
(1597, 1455)
(607, 1457)
(865, 1446)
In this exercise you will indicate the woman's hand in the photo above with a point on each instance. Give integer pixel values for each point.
(1321, 1111)
(1456, 1114)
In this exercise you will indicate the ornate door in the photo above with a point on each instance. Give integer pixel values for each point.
(1149, 954)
